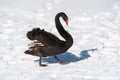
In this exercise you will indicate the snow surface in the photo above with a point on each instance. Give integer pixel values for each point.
(94, 25)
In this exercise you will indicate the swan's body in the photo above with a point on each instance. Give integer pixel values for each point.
(52, 44)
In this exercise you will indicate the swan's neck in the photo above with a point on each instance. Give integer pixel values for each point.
(63, 33)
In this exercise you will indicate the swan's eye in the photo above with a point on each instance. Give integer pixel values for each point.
(64, 16)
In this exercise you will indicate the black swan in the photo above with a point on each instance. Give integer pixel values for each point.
(51, 45)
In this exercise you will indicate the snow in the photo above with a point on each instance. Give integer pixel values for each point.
(94, 25)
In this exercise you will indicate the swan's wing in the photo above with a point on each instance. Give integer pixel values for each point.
(50, 51)
(35, 43)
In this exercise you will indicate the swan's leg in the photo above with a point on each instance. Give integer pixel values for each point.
(41, 63)
(60, 62)
(37, 52)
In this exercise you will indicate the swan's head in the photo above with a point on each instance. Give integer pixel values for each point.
(65, 17)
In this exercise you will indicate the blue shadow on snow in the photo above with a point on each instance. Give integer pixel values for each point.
(68, 57)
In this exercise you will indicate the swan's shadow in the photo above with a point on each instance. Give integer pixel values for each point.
(68, 57)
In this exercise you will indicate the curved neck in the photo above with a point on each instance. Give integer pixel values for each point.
(62, 32)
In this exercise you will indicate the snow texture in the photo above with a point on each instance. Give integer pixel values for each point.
(94, 25)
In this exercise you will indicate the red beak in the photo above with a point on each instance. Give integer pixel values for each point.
(66, 22)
